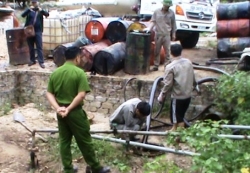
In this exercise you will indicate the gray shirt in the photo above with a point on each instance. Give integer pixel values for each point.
(125, 115)
(179, 78)
(164, 22)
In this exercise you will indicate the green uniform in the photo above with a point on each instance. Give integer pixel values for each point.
(65, 83)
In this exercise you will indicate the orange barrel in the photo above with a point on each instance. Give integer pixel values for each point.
(137, 60)
(58, 53)
(226, 46)
(233, 28)
(237, 10)
(117, 30)
(152, 54)
(18, 48)
(95, 29)
(110, 59)
(89, 51)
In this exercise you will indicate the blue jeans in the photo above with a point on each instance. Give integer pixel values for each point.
(37, 39)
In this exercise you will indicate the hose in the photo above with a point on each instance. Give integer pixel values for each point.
(211, 69)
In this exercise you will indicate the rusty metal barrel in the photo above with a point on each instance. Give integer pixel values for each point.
(58, 53)
(137, 59)
(110, 59)
(233, 28)
(17, 46)
(237, 10)
(89, 51)
(226, 46)
(96, 28)
(117, 30)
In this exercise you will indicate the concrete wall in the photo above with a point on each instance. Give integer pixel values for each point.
(107, 93)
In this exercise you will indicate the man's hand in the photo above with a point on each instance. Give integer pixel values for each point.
(197, 89)
(147, 30)
(161, 98)
(62, 111)
(173, 38)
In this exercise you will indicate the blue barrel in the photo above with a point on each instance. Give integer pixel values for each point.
(110, 59)
(117, 30)
(226, 46)
(138, 46)
(237, 10)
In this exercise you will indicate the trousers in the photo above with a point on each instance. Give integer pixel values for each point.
(165, 41)
(76, 124)
(37, 39)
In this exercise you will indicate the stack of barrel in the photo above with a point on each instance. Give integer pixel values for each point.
(233, 28)
(111, 44)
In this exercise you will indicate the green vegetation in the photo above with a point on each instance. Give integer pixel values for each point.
(5, 109)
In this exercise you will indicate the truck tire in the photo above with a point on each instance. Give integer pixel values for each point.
(191, 40)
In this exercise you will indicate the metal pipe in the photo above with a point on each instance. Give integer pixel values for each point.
(234, 136)
(236, 127)
(152, 147)
(111, 131)
(211, 69)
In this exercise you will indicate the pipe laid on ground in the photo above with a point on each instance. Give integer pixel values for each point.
(234, 136)
(236, 127)
(111, 131)
(152, 147)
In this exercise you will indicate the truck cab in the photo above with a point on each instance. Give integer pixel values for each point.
(192, 17)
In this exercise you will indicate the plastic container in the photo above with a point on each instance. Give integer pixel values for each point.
(60, 31)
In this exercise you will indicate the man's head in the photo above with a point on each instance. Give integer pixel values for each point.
(34, 3)
(176, 50)
(143, 109)
(73, 54)
(167, 4)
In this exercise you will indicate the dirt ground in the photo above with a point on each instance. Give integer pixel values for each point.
(15, 140)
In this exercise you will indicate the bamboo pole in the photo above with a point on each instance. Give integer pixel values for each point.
(152, 147)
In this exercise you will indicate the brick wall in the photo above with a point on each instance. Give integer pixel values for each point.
(107, 93)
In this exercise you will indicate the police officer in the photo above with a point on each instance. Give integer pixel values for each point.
(66, 90)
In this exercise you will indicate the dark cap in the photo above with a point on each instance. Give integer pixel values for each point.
(34, 0)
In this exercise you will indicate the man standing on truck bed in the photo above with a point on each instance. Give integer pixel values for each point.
(163, 20)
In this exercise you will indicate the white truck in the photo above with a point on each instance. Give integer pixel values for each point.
(192, 17)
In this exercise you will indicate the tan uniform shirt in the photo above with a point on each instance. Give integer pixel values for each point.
(164, 22)
(179, 78)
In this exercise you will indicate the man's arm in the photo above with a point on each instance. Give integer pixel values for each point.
(52, 100)
(45, 13)
(173, 29)
(26, 12)
(168, 83)
(77, 100)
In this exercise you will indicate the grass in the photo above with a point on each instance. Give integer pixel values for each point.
(5, 109)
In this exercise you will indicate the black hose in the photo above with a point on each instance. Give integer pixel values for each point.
(211, 69)
(125, 85)
(151, 103)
